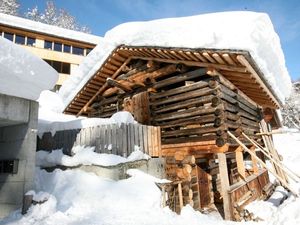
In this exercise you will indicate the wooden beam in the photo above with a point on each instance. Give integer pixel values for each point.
(284, 183)
(102, 88)
(225, 186)
(245, 62)
(240, 162)
(114, 83)
(198, 64)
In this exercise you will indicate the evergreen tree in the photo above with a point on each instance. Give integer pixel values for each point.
(291, 110)
(56, 17)
(10, 7)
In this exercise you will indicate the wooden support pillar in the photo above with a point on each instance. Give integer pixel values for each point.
(254, 161)
(225, 185)
(240, 162)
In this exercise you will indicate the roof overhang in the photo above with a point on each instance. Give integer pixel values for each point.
(237, 66)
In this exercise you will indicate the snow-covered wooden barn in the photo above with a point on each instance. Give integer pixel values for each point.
(196, 78)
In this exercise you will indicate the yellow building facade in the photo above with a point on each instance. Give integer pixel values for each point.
(63, 49)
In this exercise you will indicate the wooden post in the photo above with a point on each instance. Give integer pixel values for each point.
(254, 161)
(225, 185)
(240, 162)
(180, 196)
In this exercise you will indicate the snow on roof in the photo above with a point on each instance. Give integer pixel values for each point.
(34, 26)
(23, 74)
(249, 31)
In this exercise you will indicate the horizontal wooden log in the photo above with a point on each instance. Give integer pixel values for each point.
(180, 77)
(179, 90)
(178, 140)
(203, 119)
(185, 104)
(185, 96)
(250, 122)
(247, 109)
(184, 114)
(200, 130)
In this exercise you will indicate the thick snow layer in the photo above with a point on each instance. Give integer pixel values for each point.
(85, 156)
(248, 31)
(38, 27)
(77, 197)
(23, 74)
(51, 121)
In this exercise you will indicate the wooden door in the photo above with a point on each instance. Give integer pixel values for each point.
(204, 187)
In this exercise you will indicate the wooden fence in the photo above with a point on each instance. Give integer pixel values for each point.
(112, 138)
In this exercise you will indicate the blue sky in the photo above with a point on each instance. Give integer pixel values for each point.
(102, 15)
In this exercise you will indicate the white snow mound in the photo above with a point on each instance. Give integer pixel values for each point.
(23, 74)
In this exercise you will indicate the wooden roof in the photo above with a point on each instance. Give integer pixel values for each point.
(237, 66)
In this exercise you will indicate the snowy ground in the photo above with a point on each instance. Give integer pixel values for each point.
(77, 197)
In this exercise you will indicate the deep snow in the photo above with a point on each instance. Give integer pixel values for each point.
(23, 74)
(77, 197)
(246, 30)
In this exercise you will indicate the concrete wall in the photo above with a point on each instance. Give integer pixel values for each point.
(18, 124)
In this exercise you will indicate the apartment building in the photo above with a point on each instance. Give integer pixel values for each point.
(63, 49)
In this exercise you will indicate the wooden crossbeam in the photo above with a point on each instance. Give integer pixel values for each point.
(278, 163)
(285, 184)
(83, 109)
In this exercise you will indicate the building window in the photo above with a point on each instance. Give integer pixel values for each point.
(60, 67)
(48, 45)
(66, 68)
(20, 39)
(88, 50)
(67, 48)
(78, 51)
(30, 41)
(57, 47)
(9, 166)
(9, 36)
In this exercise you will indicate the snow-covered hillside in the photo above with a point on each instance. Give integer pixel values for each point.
(23, 74)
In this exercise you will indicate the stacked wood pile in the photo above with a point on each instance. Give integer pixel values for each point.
(190, 104)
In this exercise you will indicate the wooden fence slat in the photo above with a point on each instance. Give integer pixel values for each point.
(136, 135)
(149, 131)
(113, 139)
(145, 134)
(131, 147)
(141, 139)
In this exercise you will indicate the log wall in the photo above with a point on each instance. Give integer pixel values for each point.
(186, 102)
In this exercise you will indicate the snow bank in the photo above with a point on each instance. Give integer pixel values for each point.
(85, 156)
(248, 31)
(23, 74)
(27, 24)
(78, 197)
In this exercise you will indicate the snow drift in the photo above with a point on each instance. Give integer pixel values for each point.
(23, 74)
(249, 31)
